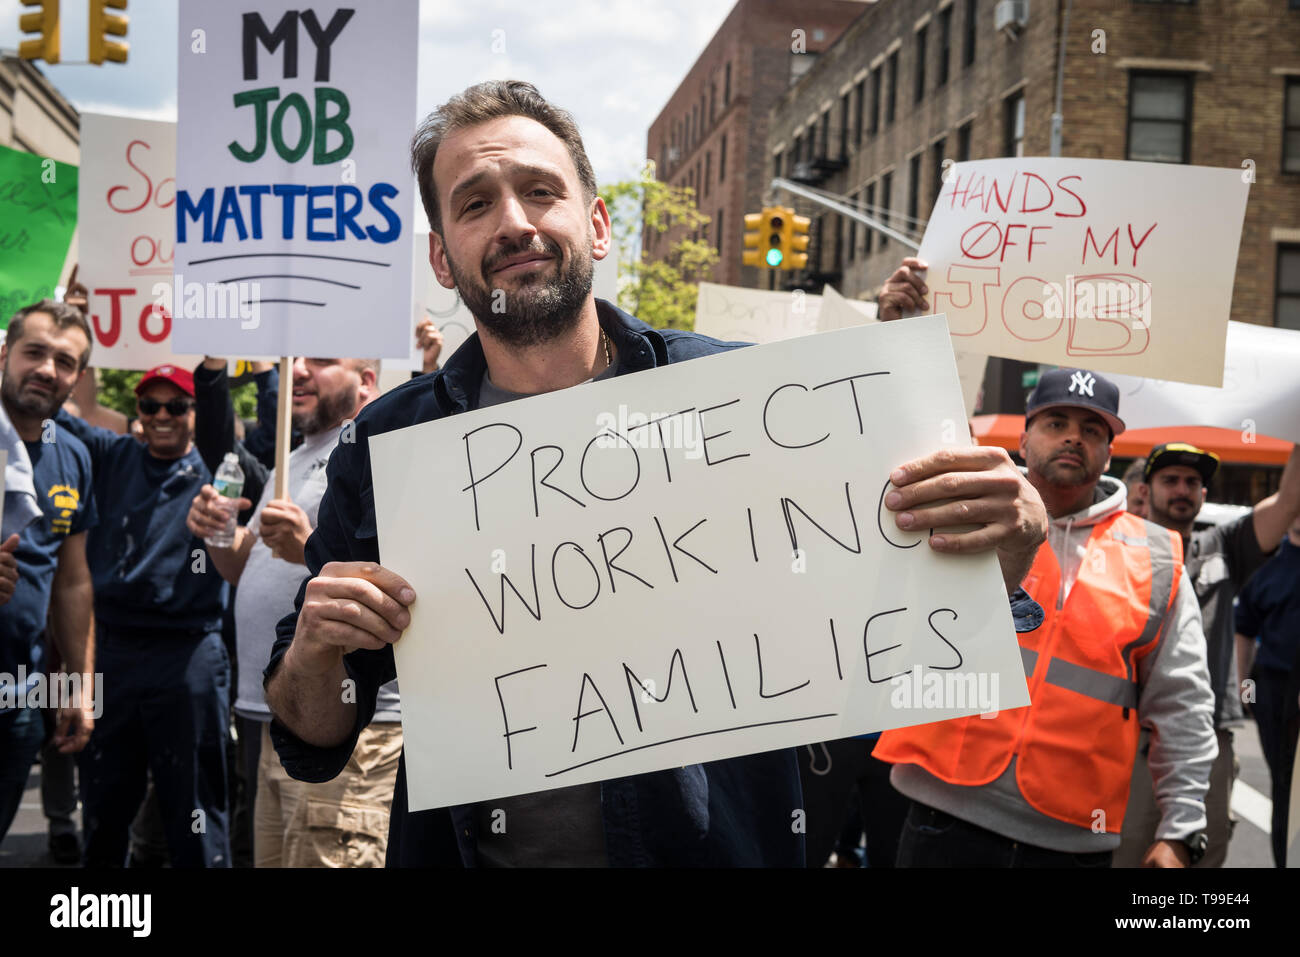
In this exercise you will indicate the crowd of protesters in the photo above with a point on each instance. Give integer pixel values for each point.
(208, 729)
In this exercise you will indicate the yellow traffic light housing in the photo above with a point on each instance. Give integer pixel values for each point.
(753, 254)
(46, 23)
(775, 219)
(797, 241)
(101, 23)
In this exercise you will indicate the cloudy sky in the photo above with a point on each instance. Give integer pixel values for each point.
(613, 63)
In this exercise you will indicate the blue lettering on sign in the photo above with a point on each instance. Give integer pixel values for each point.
(326, 214)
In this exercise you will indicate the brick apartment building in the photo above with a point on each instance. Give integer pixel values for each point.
(915, 82)
(710, 135)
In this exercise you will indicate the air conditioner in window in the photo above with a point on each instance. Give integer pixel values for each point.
(1011, 16)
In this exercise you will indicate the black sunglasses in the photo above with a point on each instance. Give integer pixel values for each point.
(174, 407)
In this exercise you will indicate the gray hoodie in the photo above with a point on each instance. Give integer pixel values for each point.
(1175, 704)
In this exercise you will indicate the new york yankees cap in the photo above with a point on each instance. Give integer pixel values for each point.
(1080, 389)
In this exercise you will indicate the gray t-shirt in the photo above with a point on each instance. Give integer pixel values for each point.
(268, 586)
(1219, 561)
(560, 828)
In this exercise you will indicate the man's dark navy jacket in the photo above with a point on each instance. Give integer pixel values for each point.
(737, 812)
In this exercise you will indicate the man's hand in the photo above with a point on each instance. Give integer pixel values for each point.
(1167, 854)
(76, 721)
(978, 485)
(350, 605)
(210, 512)
(429, 339)
(76, 294)
(285, 528)
(904, 291)
(8, 568)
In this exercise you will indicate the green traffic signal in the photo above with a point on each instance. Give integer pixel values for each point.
(774, 257)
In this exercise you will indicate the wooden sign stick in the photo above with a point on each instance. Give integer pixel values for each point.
(283, 431)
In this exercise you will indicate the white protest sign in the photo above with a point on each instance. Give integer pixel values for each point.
(1120, 267)
(736, 314)
(683, 565)
(840, 313)
(294, 201)
(1260, 393)
(126, 217)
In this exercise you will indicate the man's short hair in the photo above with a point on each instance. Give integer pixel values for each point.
(489, 101)
(1134, 472)
(362, 364)
(63, 315)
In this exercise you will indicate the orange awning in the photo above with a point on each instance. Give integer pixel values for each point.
(1004, 430)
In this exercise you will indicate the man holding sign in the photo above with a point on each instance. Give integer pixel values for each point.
(516, 224)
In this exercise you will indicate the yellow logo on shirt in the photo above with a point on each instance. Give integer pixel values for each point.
(67, 500)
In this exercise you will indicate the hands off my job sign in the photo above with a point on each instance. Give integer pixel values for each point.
(682, 565)
(294, 197)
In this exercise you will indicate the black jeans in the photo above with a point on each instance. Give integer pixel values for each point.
(932, 838)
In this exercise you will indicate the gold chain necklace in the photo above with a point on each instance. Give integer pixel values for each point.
(604, 337)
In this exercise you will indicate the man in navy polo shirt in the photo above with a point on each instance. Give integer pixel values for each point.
(158, 605)
(516, 223)
(44, 354)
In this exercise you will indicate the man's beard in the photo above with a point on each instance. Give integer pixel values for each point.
(31, 405)
(330, 411)
(541, 309)
(1059, 473)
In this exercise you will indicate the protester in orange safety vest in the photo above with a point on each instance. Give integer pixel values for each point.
(1121, 647)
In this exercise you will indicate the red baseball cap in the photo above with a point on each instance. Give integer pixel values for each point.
(183, 379)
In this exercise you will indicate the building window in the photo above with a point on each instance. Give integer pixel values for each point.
(945, 45)
(718, 233)
(875, 101)
(1291, 127)
(699, 183)
(913, 192)
(858, 112)
(776, 166)
(919, 91)
(1288, 288)
(708, 170)
(824, 139)
(713, 101)
(870, 211)
(936, 170)
(963, 143)
(837, 264)
(1159, 120)
(726, 86)
(1014, 111)
(844, 124)
(886, 200)
(893, 88)
(968, 40)
(722, 159)
(852, 225)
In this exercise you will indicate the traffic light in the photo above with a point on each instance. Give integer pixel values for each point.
(101, 23)
(46, 23)
(753, 255)
(797, 240)
(774, 236)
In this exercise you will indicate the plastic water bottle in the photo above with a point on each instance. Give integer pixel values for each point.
(229, 483)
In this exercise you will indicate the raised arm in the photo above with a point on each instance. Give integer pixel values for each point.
(1274, 515)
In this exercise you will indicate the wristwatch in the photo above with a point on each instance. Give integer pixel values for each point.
(1196, 845)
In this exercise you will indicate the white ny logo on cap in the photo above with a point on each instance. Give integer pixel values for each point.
(1082, 382)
